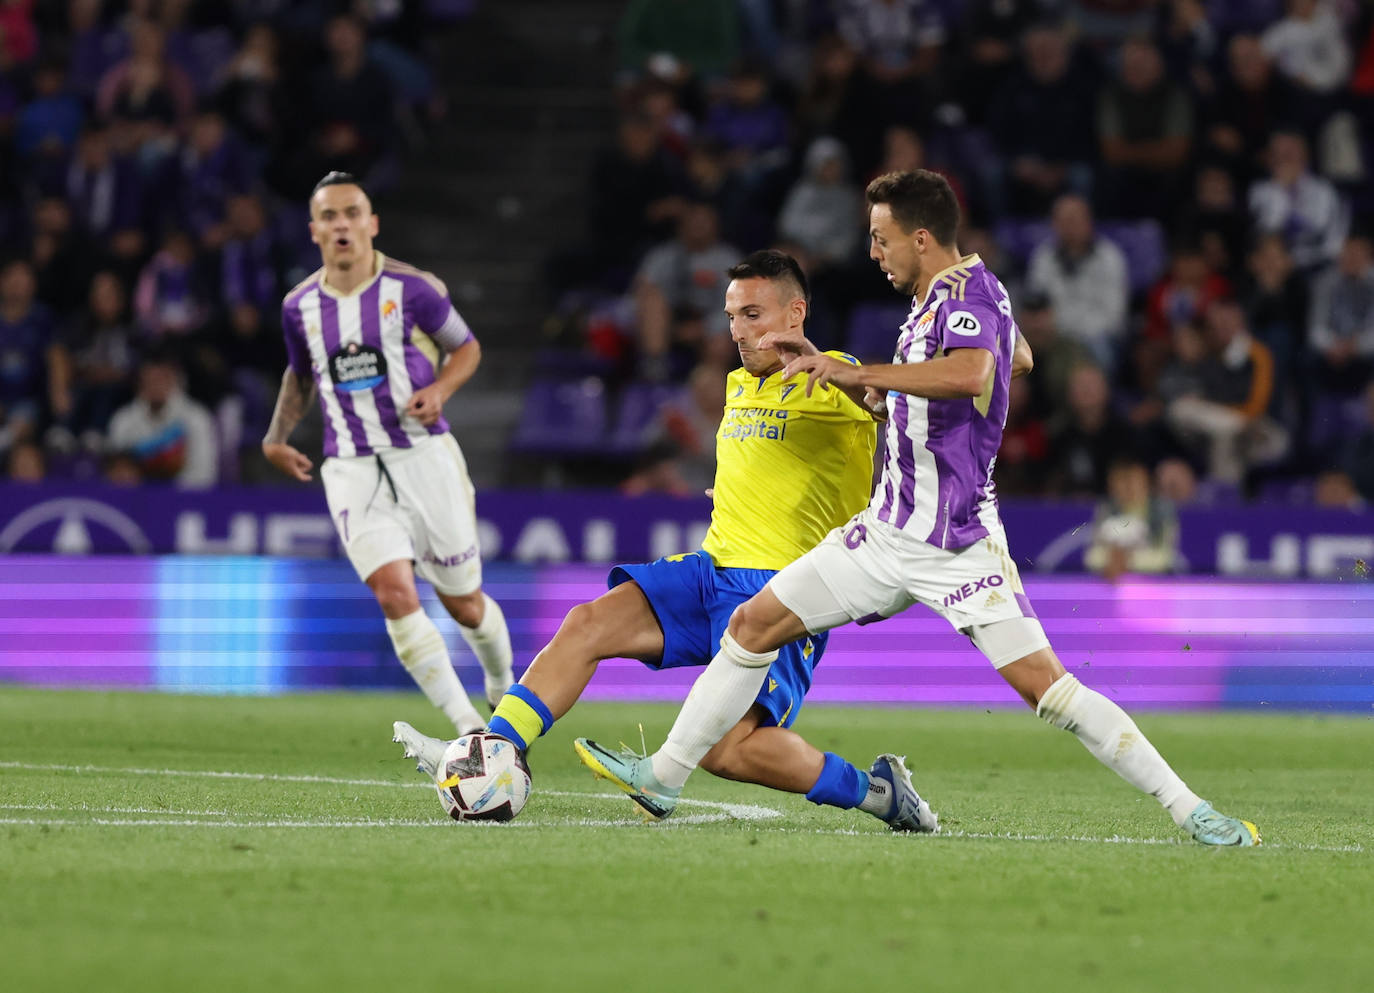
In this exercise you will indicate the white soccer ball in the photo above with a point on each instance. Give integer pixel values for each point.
(483, 777)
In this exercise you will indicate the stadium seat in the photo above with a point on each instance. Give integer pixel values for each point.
(1143, 244)
(639, 405)
(562, 419)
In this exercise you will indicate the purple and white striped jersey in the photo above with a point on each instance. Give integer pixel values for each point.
(937, 474)
(369, 350)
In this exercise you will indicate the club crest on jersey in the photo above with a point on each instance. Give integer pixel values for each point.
(391, 316)
(357, 367)
(927, 318)
(964, 323)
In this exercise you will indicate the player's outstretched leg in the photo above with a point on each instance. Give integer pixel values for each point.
(1109, 733)
(427, 752)
(632, 773)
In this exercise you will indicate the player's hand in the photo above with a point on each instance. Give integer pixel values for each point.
(786, 344)
(710, 492)
(875, 400)
(822, 370)
(426, 404)
(289, 460)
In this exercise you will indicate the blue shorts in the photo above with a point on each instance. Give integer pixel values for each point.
(693, 601)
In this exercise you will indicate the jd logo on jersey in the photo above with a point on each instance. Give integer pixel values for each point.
(357, 367)
(964, 323)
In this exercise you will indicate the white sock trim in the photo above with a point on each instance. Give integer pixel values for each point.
(742, 656)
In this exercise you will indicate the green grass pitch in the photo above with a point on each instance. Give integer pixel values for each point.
(155, 843)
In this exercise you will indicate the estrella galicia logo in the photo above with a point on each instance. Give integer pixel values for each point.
(964, 323)
(357, 367)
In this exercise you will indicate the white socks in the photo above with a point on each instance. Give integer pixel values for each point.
(878, 800)
(1110, 734)
(490, 642)
(720, 697)
(421, 650)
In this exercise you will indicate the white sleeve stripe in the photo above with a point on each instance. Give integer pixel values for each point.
(454, 333)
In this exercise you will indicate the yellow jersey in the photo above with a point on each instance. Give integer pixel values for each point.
(789, 468)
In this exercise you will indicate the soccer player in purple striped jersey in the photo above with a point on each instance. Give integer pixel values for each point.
(931, 533)
(382, 346)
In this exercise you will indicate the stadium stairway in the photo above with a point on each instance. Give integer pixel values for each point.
(498, 184)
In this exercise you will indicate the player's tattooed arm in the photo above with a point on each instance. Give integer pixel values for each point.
(1022, 362)
(293, 400)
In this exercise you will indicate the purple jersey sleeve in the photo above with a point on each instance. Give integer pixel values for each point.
(297, 351)
(970, 323)
(436, 316)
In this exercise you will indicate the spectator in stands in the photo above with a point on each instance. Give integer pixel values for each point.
(898, 43)
(1042, 122)
(61, 257)
(1229, 420)
(1250, 102)
(994, 29)
(832, 102)
(1133, 530)
(350, 104)
(29, 366)
(1335, 488)
(688, 271)
(1144, 127)
(249, 92)
(25, 463)
(1340, 327)
(170, 299)
(1274, 298)
(146, 87)
(823, 213)
(95, 46)
(1184, 293)
(701, 36)
(1086, 435)
(1309, 48)
(106, 195)
(747, 122)
(168, 435)
(1305, 209)
(212, 168)
(101, 348)
(49, 124)
(1084, 276)
(1216, 220)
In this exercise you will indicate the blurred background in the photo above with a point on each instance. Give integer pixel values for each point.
(1179, 195)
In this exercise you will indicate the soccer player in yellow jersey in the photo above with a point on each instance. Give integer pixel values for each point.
(790, 467)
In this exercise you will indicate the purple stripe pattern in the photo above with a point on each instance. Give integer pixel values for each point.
(329, 328)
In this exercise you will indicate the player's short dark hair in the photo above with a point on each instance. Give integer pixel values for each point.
(774, 266)
(338, 178)
(919, 199)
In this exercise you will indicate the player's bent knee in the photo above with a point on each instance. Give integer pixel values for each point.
(396, 599)
(762, 624)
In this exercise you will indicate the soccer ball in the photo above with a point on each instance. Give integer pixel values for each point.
(483, 777)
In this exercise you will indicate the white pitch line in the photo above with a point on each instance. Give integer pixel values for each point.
(748, 812)
(82, 808)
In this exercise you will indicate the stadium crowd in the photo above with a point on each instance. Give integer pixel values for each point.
(152, 158)
(1178, 194)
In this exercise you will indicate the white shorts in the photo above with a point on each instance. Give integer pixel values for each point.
(869, 570)
(421, 509)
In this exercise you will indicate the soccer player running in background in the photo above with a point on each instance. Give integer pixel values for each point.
(367, 332)
(931, 533)
(791, 466)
